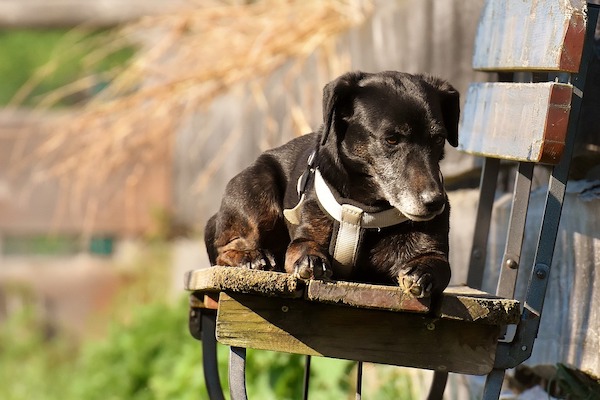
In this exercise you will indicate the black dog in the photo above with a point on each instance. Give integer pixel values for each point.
(363, 197)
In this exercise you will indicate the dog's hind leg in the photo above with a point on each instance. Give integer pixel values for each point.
(209, 239)
(249, 230)
(238, 242)
(238, 253)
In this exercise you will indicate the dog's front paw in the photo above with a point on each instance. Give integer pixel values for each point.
(305, 260)
(312, 267)
(417, 283)
(425, 276)
(252, 259)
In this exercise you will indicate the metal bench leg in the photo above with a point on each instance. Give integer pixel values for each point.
(359, 372)
(237, 373)
(493, 385)
(209, 356)
(306, 378)
(438, 385)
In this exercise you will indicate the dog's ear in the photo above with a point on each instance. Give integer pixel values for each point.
(449, 104)
(335, 93)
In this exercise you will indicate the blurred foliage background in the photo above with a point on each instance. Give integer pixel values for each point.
(37, 62)
(139, 348)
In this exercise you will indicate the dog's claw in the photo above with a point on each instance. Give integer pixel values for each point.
(259, 260)
(312, 267)
(418, 285)
(327, 272)
(302, 272)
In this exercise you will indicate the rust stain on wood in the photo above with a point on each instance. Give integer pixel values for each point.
(211, 301)
(516, 121)
(366, 296)
(570, 58)
(458, 303)
(557, 121)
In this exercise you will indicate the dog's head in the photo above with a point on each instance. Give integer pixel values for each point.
(387, 132)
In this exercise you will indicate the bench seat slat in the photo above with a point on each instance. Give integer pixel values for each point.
(458, 303)
(406, 339)
(362, 295)
(463, 303)
(516, 121)
(240, 280)
(515, 35)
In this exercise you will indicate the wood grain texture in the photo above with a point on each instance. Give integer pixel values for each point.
(404, 339)
(530, 35)
(363, 295)
(466, 304)
(458, 303)
(241, 280)
(516, 121)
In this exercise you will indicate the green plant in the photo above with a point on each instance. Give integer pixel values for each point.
(142, 350)
(36, 62)
(31, 359)
(153, 357)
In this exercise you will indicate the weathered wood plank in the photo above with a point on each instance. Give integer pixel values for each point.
(208, 300)
(466, 304)
(363, 295)
(517, 121)
(405, 339)
(532, 35)
(458, 303)
(240, 280)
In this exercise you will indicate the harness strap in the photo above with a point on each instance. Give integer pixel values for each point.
(345, 251)
(352, 224)
(352, 220)
(382, 219)
(292, 215)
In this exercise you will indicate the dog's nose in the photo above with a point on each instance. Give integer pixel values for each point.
(433, 200)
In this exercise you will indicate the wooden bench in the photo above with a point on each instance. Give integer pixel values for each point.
(467, 331)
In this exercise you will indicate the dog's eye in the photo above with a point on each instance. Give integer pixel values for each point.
(392, 139)
(439, 140)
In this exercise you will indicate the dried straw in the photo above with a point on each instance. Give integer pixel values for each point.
(187, 58)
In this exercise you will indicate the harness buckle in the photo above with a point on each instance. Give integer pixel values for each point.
(310, 168)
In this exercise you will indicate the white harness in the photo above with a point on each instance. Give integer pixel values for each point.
(352, 221)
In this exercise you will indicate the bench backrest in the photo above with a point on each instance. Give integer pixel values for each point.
(534, 120)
